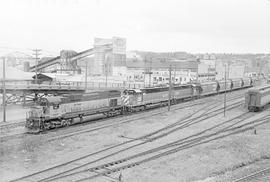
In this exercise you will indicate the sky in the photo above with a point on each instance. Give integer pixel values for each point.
(195, 26)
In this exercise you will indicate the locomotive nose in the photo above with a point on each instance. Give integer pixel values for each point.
(125, 100)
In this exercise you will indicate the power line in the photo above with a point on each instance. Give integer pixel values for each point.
(25, 49)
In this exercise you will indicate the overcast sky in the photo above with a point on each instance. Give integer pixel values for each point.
(230, 26)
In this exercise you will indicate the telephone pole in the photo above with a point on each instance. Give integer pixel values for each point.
(170, 87)
(86, 66)
(174, 75)
(4, 89)
(36, 54)
(225, 77)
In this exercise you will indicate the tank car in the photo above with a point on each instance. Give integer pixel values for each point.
(59, 111)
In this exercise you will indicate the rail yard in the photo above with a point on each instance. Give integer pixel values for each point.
(155, 143)
(134, 91)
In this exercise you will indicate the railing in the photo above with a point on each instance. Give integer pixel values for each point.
(23, 85)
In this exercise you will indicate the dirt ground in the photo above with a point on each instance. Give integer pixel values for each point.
(219, 161)
(214, 161)
(14, 113)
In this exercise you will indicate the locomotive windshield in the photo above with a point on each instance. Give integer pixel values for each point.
(43, 102)
(129, 92)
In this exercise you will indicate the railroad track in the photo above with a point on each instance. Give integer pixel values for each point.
(262, 175)
(115, 121)
(117, 162)
(139, 141)
(153, 154)
(23, 134)
(12, 125)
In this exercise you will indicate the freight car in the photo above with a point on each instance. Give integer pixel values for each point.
(59, 111)
(215, 87)
(257, 98)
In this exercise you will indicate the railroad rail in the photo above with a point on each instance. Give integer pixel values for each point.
(262, 175)
(145, 139)
(140, 141)
(153, 154)
(112, 123)
(12, 125)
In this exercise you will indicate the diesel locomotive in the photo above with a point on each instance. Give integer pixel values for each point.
(65, 110)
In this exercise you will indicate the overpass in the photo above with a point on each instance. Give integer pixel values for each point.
(42, 88)
(80, 55)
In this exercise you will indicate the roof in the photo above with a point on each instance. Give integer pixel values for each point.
(55, 99)
(100, 41)
(15, 74)
(42, 76)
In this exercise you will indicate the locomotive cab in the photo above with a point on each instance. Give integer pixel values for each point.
(132, 97)
(44, 108)
(36, 115)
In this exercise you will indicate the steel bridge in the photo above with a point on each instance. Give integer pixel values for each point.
(23, 91)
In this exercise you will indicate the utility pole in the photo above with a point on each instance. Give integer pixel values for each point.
(4, 90)
(150, 73)
(170, 87)
(197, 74)
(36, 54)
(225, 90)
(174, 74)
(106, 72)
(86, 65)
(144, 71)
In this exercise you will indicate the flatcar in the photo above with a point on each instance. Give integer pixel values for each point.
(60, 111)
(257, 98)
